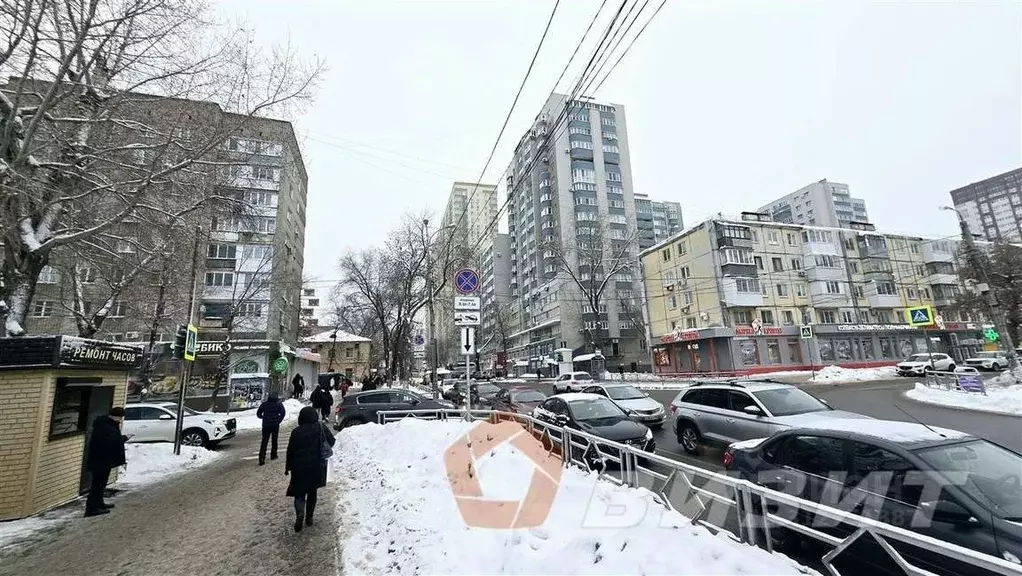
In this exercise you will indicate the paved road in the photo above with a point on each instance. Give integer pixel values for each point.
(228, 518)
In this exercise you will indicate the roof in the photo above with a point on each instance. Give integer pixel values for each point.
(890, 430)
(585, 357)
(748, 385)
(342, 336)
(577, 396)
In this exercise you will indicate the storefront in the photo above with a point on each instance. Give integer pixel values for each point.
(51, 390)
(864, 345)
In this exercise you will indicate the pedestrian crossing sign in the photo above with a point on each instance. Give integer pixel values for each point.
(919, 316)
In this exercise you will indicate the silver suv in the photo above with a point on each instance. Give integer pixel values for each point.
(723, 413)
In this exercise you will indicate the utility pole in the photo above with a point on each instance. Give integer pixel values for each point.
(975, 259)
(434, 385)
(186, 366)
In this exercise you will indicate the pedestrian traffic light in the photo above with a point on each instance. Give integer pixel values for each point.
(179, 341)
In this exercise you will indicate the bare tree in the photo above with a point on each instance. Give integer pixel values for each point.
(90, 136)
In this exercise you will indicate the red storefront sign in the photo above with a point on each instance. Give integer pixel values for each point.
(764, 331)
(680, 336)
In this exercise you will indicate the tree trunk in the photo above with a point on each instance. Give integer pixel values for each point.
(19, 298)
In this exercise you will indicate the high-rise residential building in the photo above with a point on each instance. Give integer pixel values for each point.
(822, 203)
(470, 212)
(656, 221)
(311, 311)
(993, 207)
(495, 295)
(570, 193)
(733, 295)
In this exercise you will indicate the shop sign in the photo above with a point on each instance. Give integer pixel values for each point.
(875, 328)
(758, 330)
(212, 347)
(680, 336)
(85, 352)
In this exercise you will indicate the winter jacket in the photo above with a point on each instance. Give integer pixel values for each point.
(106, 445)
(321, 399)
(304, 461)
(272, 412)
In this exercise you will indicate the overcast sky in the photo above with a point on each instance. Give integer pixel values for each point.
(729, 104)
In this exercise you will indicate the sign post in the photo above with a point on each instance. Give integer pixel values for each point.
(466, 283)
(468, 347)
(806, 331)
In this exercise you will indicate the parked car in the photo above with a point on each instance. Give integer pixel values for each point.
(643, 408)
(572, 382)
(994, 361)
(596, 415)
(884, 466)
(482, 393)
(520, 399)
(157, 421)
(363, 407)
(919, 364)
(966, 370)
(728, 412)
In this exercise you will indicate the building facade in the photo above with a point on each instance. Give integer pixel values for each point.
(733, 295)
(822, 203)
(494, 334)
(993, 207)
(311, 311)
(570, 190)
(656, 221)
(341, 352)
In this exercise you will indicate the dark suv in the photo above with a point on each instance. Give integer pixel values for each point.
(900, 473)
(363, 407)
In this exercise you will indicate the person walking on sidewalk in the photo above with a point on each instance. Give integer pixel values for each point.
(322, 400)
(106, 452)
(298, 386)
(308, 449)
(272, 413)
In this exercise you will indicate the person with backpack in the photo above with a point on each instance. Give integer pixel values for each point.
(272, 413)
(308, 449)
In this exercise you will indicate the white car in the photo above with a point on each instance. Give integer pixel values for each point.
(156, 422)
(632, 400)
(919, 364)
(988, 361)
(572, 382)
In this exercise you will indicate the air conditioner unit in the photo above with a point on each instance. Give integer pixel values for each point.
(684, 309)
(131, 336)
(669, 287)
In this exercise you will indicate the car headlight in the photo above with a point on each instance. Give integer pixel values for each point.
(649, 434)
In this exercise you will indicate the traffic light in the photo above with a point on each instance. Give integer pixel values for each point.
(179, 341)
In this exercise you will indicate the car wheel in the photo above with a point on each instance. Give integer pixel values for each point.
(951, 368)
(688, 437)
(194, 437)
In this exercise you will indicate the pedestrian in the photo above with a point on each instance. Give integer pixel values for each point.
(106, 452)
(272, 413)
(621, 371)
(322, 400)
(369, 384)
(298, 385)
(308, 449)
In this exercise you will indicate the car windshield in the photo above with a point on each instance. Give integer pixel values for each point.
(487, 388)
(624, 393)
(594, 409)
(789, 401)
(527, 396)
(988, 355)
(583, 376)
(990, 472)
(921, 358)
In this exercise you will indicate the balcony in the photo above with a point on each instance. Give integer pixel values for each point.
(942, 279)
(821, 248)
(821, 297)
(744, 299)
(879, 300)
(937, 252)
(220, 264)
(816, 273)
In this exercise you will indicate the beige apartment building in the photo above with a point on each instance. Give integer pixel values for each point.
(734, 296)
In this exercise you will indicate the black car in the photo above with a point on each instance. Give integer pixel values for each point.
(598, 416)
(941, 483)
(482, 393)
(520, 399)
(362, 407)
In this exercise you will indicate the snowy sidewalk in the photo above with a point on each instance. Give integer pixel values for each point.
(998, 399)
(229, 517)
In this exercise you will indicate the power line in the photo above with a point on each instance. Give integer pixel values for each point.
(629, 47)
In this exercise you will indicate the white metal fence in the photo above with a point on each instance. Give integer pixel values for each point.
(741, 509)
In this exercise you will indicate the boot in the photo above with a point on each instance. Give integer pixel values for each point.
(308, 519)
(298, 524)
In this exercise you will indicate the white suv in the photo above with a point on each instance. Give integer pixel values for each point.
(920, 364)
(156, 422)
(572, 382)
(988, 361)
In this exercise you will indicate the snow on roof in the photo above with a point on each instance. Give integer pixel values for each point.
(342, 336)
(899, 432)
(585, 357)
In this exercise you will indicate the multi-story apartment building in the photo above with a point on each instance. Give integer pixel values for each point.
(570, 190)
(656, 221)
(494, 333)
(731, 296)
(822, 203)
(993, 207)
(311, 311)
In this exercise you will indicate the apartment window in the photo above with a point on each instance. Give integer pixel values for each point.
(672, 302)
(765, 288)
(222, 251)
(847, 317)
(883, 316)
(833, 288)
(800, 289)
(886, 288)
(257, 252)
(787, 317)
(685, 273)
(117, 310)
(854, 267)
(773, 237)
(254, 309)
(767, 316)
(742, 317)
(737, 256)
(263, 173)
(313, 301)
(914, 247)
(690, 323)
(911, 293)
(611, 149)
(613, 176)
(796, 264)
(688, 297)
(826, 261)
(759, 263)
(665, 255)
(86, 275)
(817, 235)
(754, 236)
(219, 278)
(827, 316)
(42, 309)
(49, 275)
(792, 239)
(682, 248)
(747, 285)
(849, 244)
(608, 121)
(579, 130)
(783, 291)
(583, 144)
(778, 264)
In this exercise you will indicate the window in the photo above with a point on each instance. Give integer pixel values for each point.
(257, 252)
(854, 267)
(783, 291)
(42, 309)
(847, 317)
(610, 149)
(263, 173)
(800, 289)
(827, 316)
(884, 472)
(736, 256)
(222, 251)
(816, 455)
(792, 239)
(911, 293)
(672, 302)
(886, 288)
(833, 288)
(251, 309)
(86, 275)
(858, 292)
(742, 317)
(777, 264)
(117, 309)
(70, 412)
(766, 289)
(685, 273)
(219, 278)
(788, 317)
(767, 316)
(826, 261)
(690, 323)
(747, 285)
(759, 263)
(682, 248)
(796, 264)
(49, 275)
(688, 298)
(665, 255)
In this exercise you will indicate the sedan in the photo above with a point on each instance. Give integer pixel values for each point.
(364, 407)
(598, 416)
(638, 404)
(520, 399)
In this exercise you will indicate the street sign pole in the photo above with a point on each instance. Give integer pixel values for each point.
(468, 345)
(186, 365)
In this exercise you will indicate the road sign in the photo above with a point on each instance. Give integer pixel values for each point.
(280, 365)
(466, 281)
(466, 318)
(919, 316)
(466, 302)
(806, 332)
(190, 342)
(468, 341)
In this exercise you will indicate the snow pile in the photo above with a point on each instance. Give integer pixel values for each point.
(839, 375)
(1000, 400)
(401, 517)
(17, 533)
(1006, 378)
(148, 463)
(247, 419)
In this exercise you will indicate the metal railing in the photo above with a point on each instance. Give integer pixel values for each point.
(956, 381)
(741, 509)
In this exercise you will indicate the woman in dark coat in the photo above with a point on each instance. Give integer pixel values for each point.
(306, 463)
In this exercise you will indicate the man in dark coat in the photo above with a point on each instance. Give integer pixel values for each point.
(322, 400)
(272, 413)
(298, 385)
(106, 452)
(307, 464)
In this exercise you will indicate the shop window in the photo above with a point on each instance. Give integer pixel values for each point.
(71, 406)
(794, 351)
(887, 349)
(867, 349)
(773, 351)
(843, 350)
(826, 350)
(750, 355)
